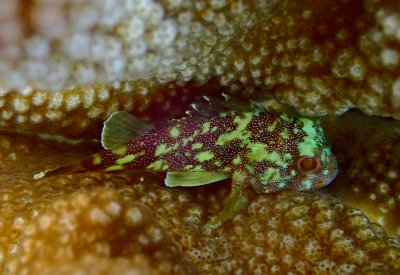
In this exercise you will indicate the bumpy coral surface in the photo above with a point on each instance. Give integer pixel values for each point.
(291, 232)
(97, 226)
(68, 223)
(369, 165)
(80, 113)
(63, 44)
(332, 55)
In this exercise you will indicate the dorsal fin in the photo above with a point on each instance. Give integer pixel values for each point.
(121, 128)
(212, 106)
(229, 103)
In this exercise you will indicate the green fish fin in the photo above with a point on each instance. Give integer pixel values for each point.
(237, 199)
(120, 128)
(233, 204)
(174, 179)
(82, 166)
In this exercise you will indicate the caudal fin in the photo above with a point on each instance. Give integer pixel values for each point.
(119, 129)
(75, 168)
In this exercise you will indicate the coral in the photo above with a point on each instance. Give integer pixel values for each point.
(68, 223)
(324, 58)
(87, 108)
(59, 45)
(330, 55)
(99, 226)
(291, 232)
(22, 199)
(63, 44)
(318, 64)
(369, 177)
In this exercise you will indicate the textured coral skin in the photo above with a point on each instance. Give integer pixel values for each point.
(331, 55)
(99, 225)
(320, 57)
(369, 171)
(67, 223)
(87, 108)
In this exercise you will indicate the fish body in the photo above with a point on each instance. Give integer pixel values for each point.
(265, 145)
(270, 152)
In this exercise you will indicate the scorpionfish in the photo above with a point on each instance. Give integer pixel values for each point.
(268, 151)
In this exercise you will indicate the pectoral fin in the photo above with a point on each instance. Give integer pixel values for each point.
(236, 201)
(121, 128)
(174, 179)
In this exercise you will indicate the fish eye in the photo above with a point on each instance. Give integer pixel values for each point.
(308, 163)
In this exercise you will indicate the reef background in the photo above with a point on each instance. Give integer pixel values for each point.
(66, 66)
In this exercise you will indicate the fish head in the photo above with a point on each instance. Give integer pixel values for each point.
(306, 164)
(315, 164)
(314, 172)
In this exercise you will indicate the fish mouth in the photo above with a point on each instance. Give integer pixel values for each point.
(335, 167)
(324, 180)
(336, 171)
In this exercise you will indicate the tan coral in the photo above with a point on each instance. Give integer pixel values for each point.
(59, 45)
(302, 232)
(324, 55)
(298, 233)
(205, 30)
(94, 226)
(369, 172)
(319, 58)
(80, 113)
(318, 64)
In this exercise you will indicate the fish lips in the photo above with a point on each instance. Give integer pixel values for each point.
(324, 180)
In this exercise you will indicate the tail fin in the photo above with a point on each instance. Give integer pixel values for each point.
(75, 168)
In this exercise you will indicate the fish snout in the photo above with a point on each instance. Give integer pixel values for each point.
(328, 174)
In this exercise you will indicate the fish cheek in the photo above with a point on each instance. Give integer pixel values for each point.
(307, 181)
(281, 184)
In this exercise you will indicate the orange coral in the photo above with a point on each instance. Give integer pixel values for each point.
(97, 226)
(78, 224)
(80, 113)
(369, 171)
(299, 233)
(329, 55)
(321, 59)
(59, 45)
